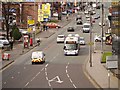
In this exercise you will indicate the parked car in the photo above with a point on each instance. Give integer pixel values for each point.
(37, 57)
(98, 38)
(55, 14)
(60, 38)
(70, 29)
(4, 42)
(53, 25)
(82, 41)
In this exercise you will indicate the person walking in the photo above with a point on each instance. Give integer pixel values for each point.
(11, 44)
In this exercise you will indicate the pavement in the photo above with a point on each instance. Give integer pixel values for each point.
(98, 73)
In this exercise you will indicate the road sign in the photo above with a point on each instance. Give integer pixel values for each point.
(30, 22)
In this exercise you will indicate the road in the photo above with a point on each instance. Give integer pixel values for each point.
(58, 71)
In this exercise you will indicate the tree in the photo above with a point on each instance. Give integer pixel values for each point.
(6, 7)
(15, 33)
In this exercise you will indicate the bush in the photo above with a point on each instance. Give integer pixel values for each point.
(15, 33)
(54, 20)
(104, 56)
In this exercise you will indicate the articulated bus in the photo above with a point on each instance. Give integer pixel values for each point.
(71, 46)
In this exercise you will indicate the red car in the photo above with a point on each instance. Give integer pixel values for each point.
(53, 25)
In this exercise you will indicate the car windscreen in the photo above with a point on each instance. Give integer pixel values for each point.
(35, 56)
(86, 26)
(71, 47)
(60, 36)
(2, 38)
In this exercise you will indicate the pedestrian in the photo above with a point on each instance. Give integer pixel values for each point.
(11, 44)
(44, 26)
(67, 16)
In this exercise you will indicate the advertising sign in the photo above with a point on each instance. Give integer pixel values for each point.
(40, 15)
(46, 10)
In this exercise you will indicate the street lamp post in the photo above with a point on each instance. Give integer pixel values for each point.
(102, 27)
(90, 50)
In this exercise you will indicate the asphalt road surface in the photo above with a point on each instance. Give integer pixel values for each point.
(58, 71)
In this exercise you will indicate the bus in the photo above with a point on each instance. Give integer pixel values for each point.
(71, 46)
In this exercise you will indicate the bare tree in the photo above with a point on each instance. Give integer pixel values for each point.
(5, 13)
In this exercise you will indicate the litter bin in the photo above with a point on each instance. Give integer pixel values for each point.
(5, 56)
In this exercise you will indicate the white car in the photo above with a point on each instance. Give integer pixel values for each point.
(82, 41)
(87, 16)
(88, 19)
(86, 27)
(86, 12)
(60, 38)
(98, 38)
(38, 57)
(55, 14)
(3, 42)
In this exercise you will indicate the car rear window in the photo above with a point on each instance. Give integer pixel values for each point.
(60, 36)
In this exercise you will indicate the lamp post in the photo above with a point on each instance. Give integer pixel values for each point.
(34, 28)
(90, 50)
(102, 27)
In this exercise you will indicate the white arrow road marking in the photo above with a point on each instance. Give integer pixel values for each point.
(56, 79)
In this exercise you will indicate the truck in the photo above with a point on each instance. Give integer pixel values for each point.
(71, 45)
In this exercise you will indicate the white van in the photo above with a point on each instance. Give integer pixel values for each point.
(86, 27)
(38, 57)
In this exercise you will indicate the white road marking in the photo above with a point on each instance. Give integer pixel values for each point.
(18, 72)
(49, 83)
(42, 69)
(66, 67)
(4, 82)
(69, 76)
(70, 80)
(27, 84)
(46, 65)
(47, 78)
(37, 74)
(46, 73)
(12, 77)
(24, 67)
(74, 86)
(66, 71)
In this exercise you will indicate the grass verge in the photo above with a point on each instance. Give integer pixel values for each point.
(104, 56)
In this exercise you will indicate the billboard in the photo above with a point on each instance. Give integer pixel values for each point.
(40, 15)
(46, 10)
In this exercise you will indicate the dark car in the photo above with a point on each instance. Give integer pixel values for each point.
(79, 22)
(70, 29)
